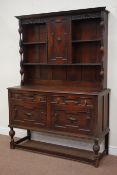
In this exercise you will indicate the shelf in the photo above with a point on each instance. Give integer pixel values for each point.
(58, 150)
(73, 64)
(33, 43)
(86, 41)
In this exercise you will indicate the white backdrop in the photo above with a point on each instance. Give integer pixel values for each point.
(9, 49)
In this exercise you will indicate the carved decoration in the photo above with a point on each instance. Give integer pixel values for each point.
(71, 120)
(29, 96)
(36, 117)
(81, 101)
(33, 21)
(87, 16)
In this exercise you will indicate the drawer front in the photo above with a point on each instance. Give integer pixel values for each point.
(80, 100)
(28, 109)
(35, 117)
(73, 113)
(28, 97)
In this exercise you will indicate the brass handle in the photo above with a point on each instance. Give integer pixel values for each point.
(72, 119)
(73, 101)
(28, 114)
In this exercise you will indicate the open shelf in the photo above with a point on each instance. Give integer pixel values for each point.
(63, 75)
(59, 150)
(88, 52)
(88, 30)
(35, 33)
(35, 53)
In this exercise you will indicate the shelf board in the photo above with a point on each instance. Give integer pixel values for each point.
(33, 43)
(86, 41)
(72, 64)
(61, 151)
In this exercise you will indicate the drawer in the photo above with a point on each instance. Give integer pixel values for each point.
(30, 117)
(80, 121)
(28, 100)
(28, 96)
(28, 109)
(73, 113)
(72, 101)
(29, 104)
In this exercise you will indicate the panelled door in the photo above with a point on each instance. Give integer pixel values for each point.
(59, 40)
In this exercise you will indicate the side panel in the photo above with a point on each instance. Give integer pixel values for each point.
(103, 113)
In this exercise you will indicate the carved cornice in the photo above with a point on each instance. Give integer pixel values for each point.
(34, 21)
(96, 15)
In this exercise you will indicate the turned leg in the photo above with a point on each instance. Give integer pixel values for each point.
(107, 143)
(96, 148)
(12, 133)
(29, 134)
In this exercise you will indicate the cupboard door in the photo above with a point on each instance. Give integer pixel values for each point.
(80, 121)
(28, 109)
(73, 113)
(59, 40)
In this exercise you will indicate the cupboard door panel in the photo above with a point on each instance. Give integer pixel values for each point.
(59, 40)
(73, 113)
(28, 109)
(78, 121)
(35, 117)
